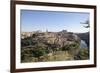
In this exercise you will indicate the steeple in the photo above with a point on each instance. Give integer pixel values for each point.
(47, 30)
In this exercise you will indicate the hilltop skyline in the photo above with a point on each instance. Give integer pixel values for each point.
(34, 20)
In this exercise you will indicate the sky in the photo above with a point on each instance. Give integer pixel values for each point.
(53, 21)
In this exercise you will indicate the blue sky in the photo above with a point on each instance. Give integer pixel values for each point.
(33, 20)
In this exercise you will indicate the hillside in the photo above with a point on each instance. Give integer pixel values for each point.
(50, 46)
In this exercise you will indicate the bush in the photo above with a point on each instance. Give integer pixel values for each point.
(26, 55)
(71, 48)
(83, 54)
(26, 41)
(39, 51)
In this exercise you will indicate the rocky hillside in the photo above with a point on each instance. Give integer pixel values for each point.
(51, 46)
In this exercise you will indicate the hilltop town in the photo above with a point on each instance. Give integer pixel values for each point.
(50, 46)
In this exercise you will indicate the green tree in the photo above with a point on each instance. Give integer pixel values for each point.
(26, 41)
(39, 51)
(87, 24)
(26, 54)
(83, 54)
(71, 48)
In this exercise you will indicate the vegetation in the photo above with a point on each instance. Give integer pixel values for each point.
(26, 42)
(71, 48)
(41, 47)
(83, 54)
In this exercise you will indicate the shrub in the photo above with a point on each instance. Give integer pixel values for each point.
(26, 54)
(39, 51)
(71, 48)
(26, 41)
(83, 54)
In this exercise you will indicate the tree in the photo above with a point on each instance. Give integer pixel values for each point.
(71, 48)
(39, 51)
(83, 54)
(87, 23)
(26, 41)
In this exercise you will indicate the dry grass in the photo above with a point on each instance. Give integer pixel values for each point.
(56, 56)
